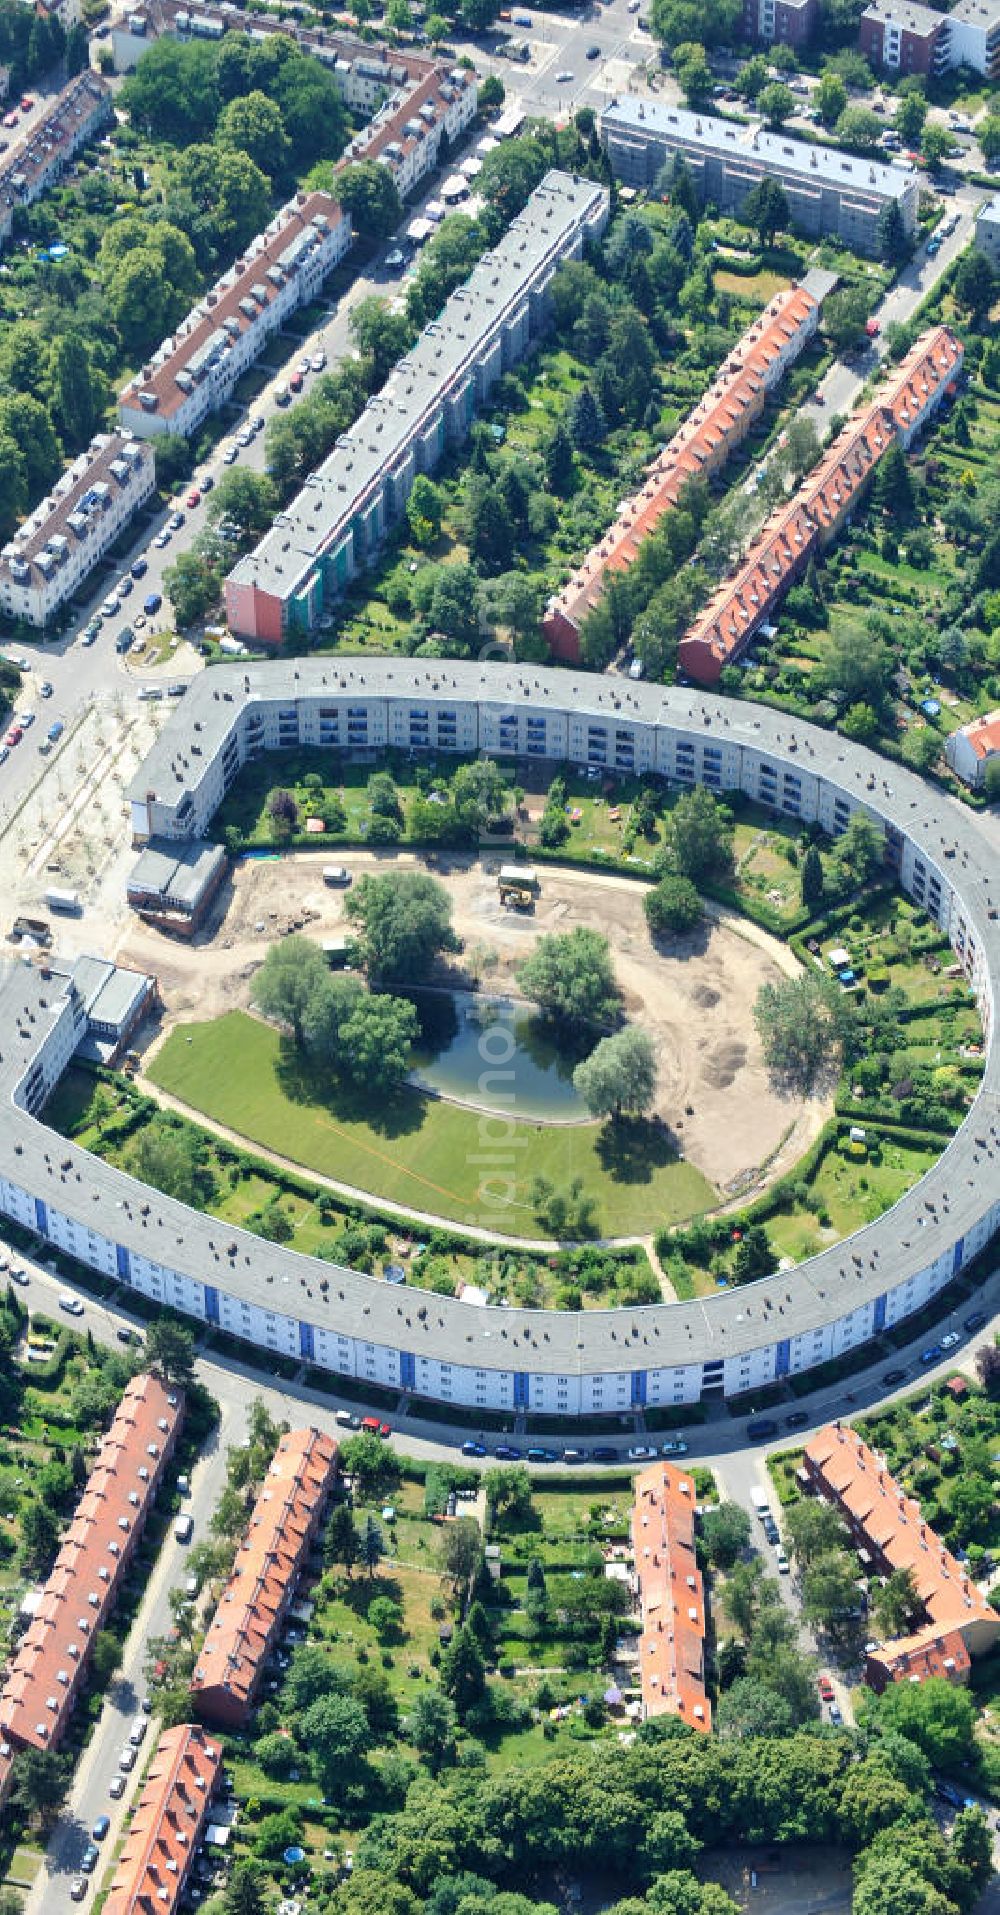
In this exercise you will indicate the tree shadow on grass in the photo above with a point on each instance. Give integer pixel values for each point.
(361, 1591)
(630, 1150)
(390, 1114)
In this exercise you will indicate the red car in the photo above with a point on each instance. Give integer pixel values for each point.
(14, 736)
(10, 119)
(295, 382)
(826, 1688)
(194, 498)
(26, 103)
(385, 1430)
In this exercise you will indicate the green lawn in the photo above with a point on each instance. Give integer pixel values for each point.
(851, 1193)
(416, 1150)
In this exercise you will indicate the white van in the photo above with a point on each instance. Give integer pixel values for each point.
(72, 1305)
(137, 1732)
(760, 1500)
(183, 1529)
(343, 1417)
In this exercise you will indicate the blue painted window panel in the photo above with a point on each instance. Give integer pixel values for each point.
(407, 1369)
(880, 1308)
(307, 1346)
(123, 1262)
(638, 1389)
(41, 1218)
(521, 1389)
(783, 1357)
(211, 1303)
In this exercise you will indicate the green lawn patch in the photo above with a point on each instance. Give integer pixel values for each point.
(416, 1151)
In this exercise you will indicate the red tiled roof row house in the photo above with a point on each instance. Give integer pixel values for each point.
(671, 1597)
(48, 1667)
(735, 612)
(167, 1825)
(699, 447)
(253, 1605)
(889, 1528)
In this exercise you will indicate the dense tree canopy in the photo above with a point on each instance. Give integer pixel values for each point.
(570, 978)
(402, 922)
(619, 1076)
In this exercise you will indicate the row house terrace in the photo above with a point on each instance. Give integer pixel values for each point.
(888, 1530)
(265, 1575)
(49, 1665)
(82, 109)
(163, 1836)
(194, 372)
(671, 1597)
(823, 504)
(70, 531)
(700, 447)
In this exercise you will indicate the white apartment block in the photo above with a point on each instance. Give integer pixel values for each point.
(193, 373)
(971, 37)
(407, 132)
(82, 109)
(70, 531)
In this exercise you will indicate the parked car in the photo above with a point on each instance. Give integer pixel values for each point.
(90, 1858)
(72, 1305)
(230, 455)
(506, 1453)
(641, 1453)
(207, 482)
(782, 1561)
(139, 568)
(835, 1712)
(193, 498)
(45, 688)
(826, 1689)
(473, 1449)
(78, 1888)
(19, 1276)
(603, 1453)
(574, 1456)
(977, 1321)
(675, 1447)
(931, 1355)
(761, 1429)
(126, 1761)
(175, 521)
(951, 1341)
(892, 1377)
(116, 1787)
(100, 1828)
(797, 1420)
(536, 1455)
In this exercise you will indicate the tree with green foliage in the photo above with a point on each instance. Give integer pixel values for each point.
(893, 488)
(403, 923)
(376, 1040)
(335, 1732)
(507, 1489)
(170, 1350)
(988, 135)
(697, 837)
(909, 117)
(372, 1548)
(750, 1708)
(167, 1156)
(715, 23)
(672, 906)
(341, 1542)
(383, 336)
(829, 99)
(694, 75)
(253, 125)
(311, 1673)
(246, 499)
(858, 854)
(935, 144)
(752, 77)
(570, 977)
(193, 583)
(766, 208)
(368, 192)
(754, 1256)
(776, 103)
(558, 459)
(975, 283)
(461, 1551)
(801, 1023)
(813, 1529)
(895, 1603)
(587, 424)
(845, 317)
(430, 1727)
(830, 1598)
(811, 878)
(372, 1465)
(463, 1672)
(860, 128)
(423, 511)
(492, 93)
(618, 1079)
(725, 1532)
(293, 975)
(246, 1892)
(448, 598)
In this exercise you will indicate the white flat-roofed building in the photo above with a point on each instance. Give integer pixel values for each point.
(611, 1361)
(70, 531)
(193, 373)
(831, 194)
(988, 231)
(339, 519)
(971, 37)
(37, 160)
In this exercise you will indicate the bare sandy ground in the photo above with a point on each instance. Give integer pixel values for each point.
(694, 995)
